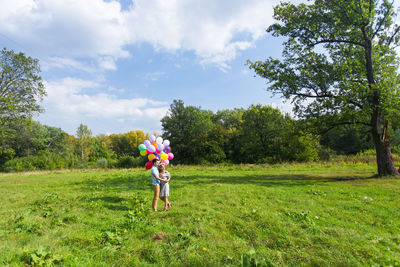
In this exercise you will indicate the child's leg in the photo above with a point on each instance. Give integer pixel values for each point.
(166, 203)
(155, 198)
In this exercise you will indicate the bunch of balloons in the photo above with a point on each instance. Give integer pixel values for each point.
(156, 147)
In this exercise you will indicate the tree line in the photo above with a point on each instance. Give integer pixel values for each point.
(258, 134)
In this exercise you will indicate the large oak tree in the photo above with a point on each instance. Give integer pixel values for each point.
(339, 65)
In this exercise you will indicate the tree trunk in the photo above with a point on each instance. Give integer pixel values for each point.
(382, 147)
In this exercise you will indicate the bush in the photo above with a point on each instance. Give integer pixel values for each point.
(325, 153)
(44, 160)
(102, 163)
(131, 162)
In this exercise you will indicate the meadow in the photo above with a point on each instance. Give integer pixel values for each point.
(228, 215)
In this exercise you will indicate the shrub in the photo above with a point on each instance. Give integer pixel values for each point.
(130, 162)
(44, 160)
(102, 163)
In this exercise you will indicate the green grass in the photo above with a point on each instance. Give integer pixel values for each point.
(284, 215)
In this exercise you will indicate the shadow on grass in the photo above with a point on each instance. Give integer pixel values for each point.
(266, 180)
(143, 183)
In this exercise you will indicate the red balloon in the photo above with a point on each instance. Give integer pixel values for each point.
(148, 165)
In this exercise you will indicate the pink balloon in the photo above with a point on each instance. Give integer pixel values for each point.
(170, 156)
(166, 162)
(157, 151)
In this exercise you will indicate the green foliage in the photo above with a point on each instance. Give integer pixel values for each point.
(347, 140)
(187, 127)
(102, 163)
(131, 162)
(85, 141)
(21, 88)
(40, 257)
(44, 160)
(339, 56)
(258, 134)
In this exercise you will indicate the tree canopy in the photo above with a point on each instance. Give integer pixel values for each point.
(21, 86)
(339, 65)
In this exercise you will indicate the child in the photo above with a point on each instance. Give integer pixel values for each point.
(164, 189)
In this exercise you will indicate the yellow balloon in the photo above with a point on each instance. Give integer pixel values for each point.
(143, 153)
(164, 156)
(151, 157)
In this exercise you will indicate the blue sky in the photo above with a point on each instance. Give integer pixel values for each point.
(116, 66)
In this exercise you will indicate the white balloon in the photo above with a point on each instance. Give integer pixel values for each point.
(152, 138)
(159, 140)
(166, 142)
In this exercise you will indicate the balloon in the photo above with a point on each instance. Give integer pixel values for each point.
(160, 147)
(147, 143)
(148, 165)
(156, 147)
(164, 156)
(167, 149)
(166, 143)
(152, 149)
(159, 140)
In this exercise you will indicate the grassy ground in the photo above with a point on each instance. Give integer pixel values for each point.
(320, 215)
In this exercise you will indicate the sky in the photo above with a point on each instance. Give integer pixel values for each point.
(116, 66)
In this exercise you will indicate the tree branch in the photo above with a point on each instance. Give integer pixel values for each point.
(336, 41)
(379, 26)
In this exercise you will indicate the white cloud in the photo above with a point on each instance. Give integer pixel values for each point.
(214, 30)
(61, 63)
(71, 100)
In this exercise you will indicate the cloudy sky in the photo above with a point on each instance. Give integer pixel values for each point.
(116, 66)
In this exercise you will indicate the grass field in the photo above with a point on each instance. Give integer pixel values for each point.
(284, 215)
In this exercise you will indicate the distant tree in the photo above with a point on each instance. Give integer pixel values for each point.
(121, 144)
(339, 63)
(85, 141)
(228, 126)
(187, 128)
(21, 89)
(347, 139)
(269, 136)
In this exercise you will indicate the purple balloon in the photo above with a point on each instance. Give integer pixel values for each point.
(152, 138)
(147, 143)
(152, 149)
(160, 147)
(167, 149)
